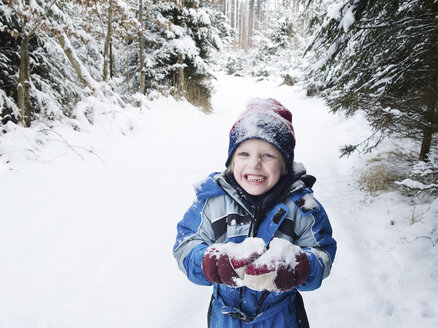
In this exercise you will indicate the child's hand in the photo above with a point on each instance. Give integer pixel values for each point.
(226, 263)
(282, 267)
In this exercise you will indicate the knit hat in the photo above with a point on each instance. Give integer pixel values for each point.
(267, 120)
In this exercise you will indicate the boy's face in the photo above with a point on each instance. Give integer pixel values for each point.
(257, 166)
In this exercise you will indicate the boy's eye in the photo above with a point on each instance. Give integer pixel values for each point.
(268, 155)
(243, 153)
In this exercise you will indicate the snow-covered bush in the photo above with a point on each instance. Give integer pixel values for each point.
(423, 178)
(399, 170)
(233, 61)
(276, 51)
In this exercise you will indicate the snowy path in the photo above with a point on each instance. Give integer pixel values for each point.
(87, 243)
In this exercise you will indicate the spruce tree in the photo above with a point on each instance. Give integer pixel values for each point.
(381, 56)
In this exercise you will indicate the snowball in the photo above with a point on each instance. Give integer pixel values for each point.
(281, 251)
(244, 249)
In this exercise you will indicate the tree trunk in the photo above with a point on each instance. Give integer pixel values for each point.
(243, 36)
(250, 22)
(111, 65)
(181, 80)
(425, 145)
(431, 115)
(257, 11)
(74, 61)
(106, 56)
(141, 38)
(127, 64)
(227, 9)
(428, 131)
(23, 90)
(232, 12)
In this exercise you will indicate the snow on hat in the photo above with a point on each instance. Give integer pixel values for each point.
(267, 120)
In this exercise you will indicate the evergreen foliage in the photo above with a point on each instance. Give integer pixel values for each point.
(276, 52)
(382, 57)
(65, 40)
(54, 87)
(182, 44)
(9, 65)
(273, 48)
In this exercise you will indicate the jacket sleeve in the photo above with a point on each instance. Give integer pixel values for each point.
(193, 238)
(315, 237)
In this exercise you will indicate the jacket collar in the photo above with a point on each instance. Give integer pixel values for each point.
(258, 206)
(221, 183)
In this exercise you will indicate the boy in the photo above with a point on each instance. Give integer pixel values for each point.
(256, 233)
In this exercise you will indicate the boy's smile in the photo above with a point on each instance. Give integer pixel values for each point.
(254, 178)
(257, 166)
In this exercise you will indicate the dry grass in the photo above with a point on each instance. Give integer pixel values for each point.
(382, 171)
(198, 96)
(288, 80)
(377, 178)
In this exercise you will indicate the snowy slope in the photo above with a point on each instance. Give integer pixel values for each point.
(88, 218)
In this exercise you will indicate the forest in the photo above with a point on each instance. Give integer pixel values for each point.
(113, 113)
(377, 57)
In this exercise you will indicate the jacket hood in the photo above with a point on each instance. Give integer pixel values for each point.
(208, 187)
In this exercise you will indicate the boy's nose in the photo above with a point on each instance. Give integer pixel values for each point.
(256, 162)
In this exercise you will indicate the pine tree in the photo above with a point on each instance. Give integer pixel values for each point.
(180, 41)
(9, 65)
(382, 57)
(42, 47)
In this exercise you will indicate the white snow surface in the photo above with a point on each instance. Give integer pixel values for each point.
(416, 184)
(88, 218)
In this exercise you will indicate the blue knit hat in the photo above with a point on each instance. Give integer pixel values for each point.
(267, 120)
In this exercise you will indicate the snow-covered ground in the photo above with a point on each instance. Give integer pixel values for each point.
(88, 218)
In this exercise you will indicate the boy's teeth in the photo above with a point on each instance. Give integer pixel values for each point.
(254, 178)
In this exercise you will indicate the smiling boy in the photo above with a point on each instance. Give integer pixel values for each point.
(257, 166)
(256, 233)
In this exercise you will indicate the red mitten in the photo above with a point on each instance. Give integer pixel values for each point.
(226, 263)
(209, 263)
(282, 267)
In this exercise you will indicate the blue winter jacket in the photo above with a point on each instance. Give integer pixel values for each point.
(220, 216)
